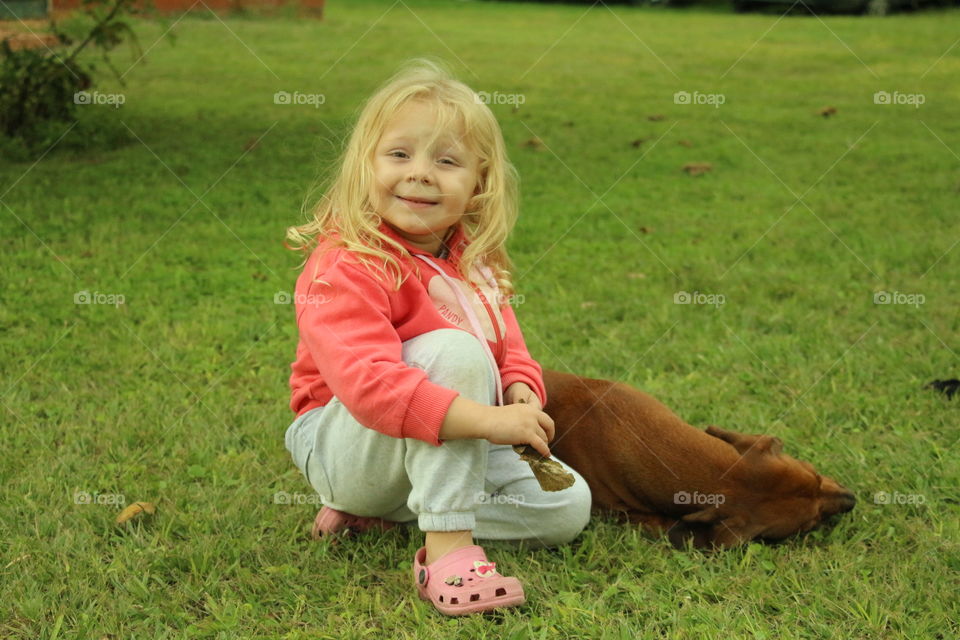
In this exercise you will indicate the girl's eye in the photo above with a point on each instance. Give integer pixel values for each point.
(403, 154)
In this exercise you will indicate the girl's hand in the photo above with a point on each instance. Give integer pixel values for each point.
(519, 423)
(521, 392)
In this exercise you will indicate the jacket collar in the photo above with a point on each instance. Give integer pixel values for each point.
(455, 241)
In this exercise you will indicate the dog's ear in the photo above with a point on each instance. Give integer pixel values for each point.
(711, 528)
(734, 438)
(768, 444)
(745, 443)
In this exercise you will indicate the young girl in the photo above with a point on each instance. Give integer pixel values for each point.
(412, 379)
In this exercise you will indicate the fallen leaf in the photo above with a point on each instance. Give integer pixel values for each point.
(828, 111)
(134, 510)
(685, 143)
(646, 229)
(259, 276)
(639, 141)
(535, 143)
(697, 168)
(657, 117)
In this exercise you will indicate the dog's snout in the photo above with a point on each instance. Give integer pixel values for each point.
(840, 502)
(846, 502)
(836, 497)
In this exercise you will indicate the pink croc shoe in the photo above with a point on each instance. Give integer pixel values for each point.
(463, 581)
(330, 521)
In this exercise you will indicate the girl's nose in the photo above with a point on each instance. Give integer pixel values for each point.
(420, 171)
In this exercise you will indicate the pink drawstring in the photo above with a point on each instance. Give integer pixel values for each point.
(472, 316)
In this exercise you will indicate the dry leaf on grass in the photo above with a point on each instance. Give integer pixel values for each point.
(826, 112)
(657, 117)
(697, 168)
(534, 143)
(134, 510)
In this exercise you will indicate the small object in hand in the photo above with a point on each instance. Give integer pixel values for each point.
(550, 474)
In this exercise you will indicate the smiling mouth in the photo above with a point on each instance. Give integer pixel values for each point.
(420, 201)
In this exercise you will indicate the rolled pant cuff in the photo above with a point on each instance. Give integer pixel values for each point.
(463, 521)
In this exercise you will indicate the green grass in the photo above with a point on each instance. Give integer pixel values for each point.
(179, 395)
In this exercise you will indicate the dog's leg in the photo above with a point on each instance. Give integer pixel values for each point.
(679, 533)
(653, 524)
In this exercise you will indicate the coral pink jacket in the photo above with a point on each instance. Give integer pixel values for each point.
(352, 325)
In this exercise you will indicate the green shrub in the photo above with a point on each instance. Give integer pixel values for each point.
(40, 88)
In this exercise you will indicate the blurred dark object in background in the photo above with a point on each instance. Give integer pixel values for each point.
(792, 7)
(946, 387)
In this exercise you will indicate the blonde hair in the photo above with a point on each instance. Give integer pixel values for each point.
(345, 206)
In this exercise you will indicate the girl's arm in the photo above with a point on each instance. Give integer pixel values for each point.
(345, 324)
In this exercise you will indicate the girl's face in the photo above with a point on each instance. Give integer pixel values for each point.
(419, 191)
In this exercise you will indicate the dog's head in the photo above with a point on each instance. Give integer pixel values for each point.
(782, 496)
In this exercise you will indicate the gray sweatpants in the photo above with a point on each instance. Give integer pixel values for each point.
(461, 485)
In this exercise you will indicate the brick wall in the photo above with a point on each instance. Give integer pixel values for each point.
(313, 8)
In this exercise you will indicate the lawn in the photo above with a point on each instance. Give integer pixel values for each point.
(170, 386)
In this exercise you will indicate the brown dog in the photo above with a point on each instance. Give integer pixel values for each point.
(715, 488)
